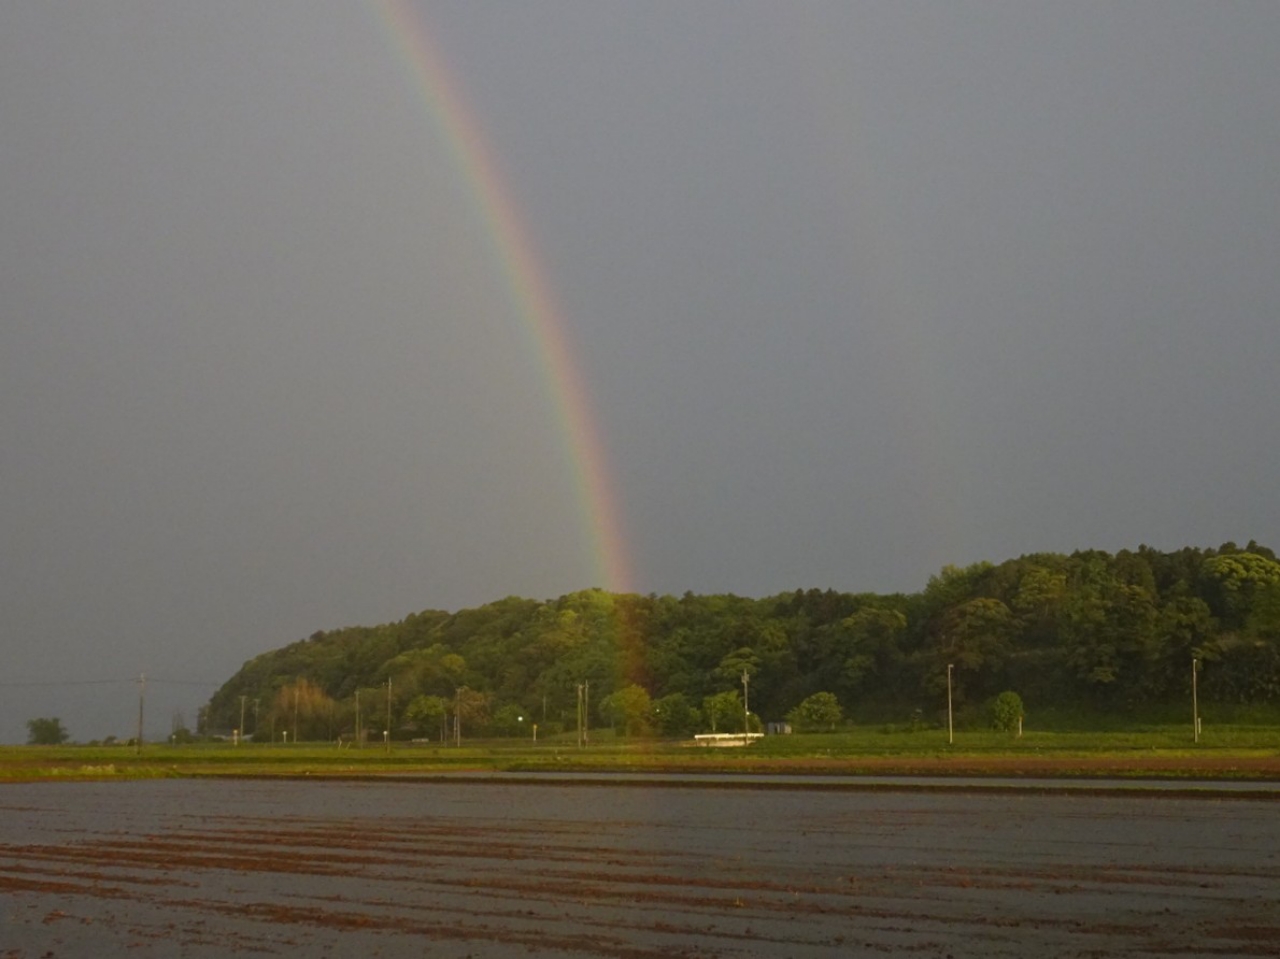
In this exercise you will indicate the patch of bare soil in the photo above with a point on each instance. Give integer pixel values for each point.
(457, 870)
(1138, 764)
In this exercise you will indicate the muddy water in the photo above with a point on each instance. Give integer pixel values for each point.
(217, 868)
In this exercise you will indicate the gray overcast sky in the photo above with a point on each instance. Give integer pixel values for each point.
(857, 290)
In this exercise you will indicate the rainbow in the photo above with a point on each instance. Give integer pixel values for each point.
(532, 296)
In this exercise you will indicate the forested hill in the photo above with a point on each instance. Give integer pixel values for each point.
(1111, 631)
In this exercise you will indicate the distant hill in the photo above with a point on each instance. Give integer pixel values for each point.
(1112, 631)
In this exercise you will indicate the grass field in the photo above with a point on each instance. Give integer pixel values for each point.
(1225, 751)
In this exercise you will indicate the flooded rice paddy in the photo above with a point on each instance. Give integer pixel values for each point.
(452, 869)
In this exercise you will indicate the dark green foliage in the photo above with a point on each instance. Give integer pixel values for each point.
(428, 715)
(627, 710)
(675, 716)
(819, 711)
(1006, 711)
(1089, 629)
(46, 732)
(724, 712)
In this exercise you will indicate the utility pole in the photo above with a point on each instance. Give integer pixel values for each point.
(457, 718)
(1195, 707)
(951, 734)
(578, 715)
(295, 712)
(240, 735)
(388, 737)
(357, 719)
(746, 711)
(142, 694)
(586, 713)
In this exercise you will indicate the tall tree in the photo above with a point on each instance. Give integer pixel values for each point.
(427, 713)
(1239, 577)
(972, 637)
(304, 710)
(723, 710)
(673, 715)
(46, 732)
(818, 711)
(870, 648)
(627, 709)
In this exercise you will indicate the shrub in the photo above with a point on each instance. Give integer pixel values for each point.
(1007, 711)
(820, 709)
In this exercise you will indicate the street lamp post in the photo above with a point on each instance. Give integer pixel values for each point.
(1195, 707)
(746, 711)
(142, 696)
(951, 733)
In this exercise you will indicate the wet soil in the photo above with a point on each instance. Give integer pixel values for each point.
(269, 868)
(1135, 764)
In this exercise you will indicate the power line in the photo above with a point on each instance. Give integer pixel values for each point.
(187, 682)
(33, 684)
(72, 682)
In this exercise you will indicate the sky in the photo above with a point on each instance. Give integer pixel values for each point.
(818, 295)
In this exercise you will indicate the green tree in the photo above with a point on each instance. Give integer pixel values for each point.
(627, 709)
(820, 709)
(509, 720)
(428, 712)
(1238, 577)
(953, 586)
(1038, 601)
(1187, 631)
(434, 670)
(974, 633)
(1118, 629)
(1111, 638)
(723, 709)
(472, 707)
(304, 710)
(1264, 616)
(46, 732)
(741, 660)
(871, 640)
(674, 715)
(974, 638)
(1006, 711)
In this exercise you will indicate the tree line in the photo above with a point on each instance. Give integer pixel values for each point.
(1089, 629)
